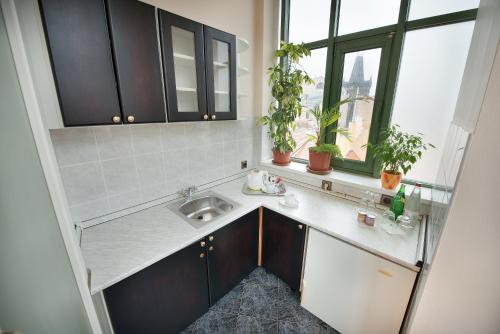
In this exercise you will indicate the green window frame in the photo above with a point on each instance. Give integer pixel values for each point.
(391, 39)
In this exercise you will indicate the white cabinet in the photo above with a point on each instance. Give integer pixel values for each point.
(352, 290)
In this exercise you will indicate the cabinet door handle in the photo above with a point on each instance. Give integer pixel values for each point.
(211, 248)
(131, 119)
(214, 117)
(300, 226)
(116, 119)
(211, 238)
(205, 117)
(202, 244)
(202, 255)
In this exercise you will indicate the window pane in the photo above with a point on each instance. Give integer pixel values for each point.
(359, 15)
(358, 80)
(309, 20)
(221, 76)
(185, 69)
(431, 71)
(312, 96)
(426, 8)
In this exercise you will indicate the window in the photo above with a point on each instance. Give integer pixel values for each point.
(312, 97)
(388, 51)
(302, 13)
(426, 8)
(359, 15)
(359, 79)
(427, 106)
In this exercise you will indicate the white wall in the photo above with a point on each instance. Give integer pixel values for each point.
(38, 291)
(462, 292)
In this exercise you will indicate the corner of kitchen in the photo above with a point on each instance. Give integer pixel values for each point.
(236, 166)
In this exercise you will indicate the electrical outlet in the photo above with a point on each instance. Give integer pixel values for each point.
(243, 164)
(385, 199)
(326, 185)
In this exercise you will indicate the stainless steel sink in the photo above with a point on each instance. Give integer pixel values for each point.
(202, 208)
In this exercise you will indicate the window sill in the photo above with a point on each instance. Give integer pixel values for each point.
(343, 182)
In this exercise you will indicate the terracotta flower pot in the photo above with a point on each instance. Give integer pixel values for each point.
(319, 161)
(281, 158)
(390, 180)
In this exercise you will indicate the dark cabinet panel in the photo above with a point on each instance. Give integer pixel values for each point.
(220, 58)
(163, 298)
(80, 51)
(184, 67)
(283, 247)
(137, 60)
(232, 254)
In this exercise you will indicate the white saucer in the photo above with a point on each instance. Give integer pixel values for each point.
(282, 202)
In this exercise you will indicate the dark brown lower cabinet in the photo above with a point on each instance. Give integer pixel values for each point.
(172, 293)
(163, 298)
(283, 247)
(232, 254)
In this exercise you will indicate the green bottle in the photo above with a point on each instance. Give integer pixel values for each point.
(398, 202)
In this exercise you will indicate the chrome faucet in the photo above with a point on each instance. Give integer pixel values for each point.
(188, 192)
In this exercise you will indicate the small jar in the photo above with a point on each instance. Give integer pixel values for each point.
(361, 216)
(370, 219)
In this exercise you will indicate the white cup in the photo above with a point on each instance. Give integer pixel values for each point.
(269, 187)
(291, 200)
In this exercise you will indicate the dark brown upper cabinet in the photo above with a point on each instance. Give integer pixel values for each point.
(184, 67)
(137, 60)
(199, 63)
(80, 52)
(232, 254)
(283, 247)
(220, 57)
(163, 298)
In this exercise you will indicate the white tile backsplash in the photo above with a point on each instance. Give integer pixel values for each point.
(83, 182)
(146, 138)
(150, 169)
(120, 176)
(75, 146)
(113, 142)
(110, 168)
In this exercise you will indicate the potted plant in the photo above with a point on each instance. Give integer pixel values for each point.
(321, 155)
(397, 152)
(286, 79)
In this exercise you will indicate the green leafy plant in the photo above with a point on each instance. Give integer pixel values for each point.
(286, 79)
(325, 119)
(399, 151)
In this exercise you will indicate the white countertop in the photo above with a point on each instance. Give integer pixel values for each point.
(121, 247)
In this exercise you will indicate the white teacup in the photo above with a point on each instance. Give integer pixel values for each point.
(269, 187)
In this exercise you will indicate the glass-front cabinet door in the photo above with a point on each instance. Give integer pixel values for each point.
(220, 58)
(184, 67)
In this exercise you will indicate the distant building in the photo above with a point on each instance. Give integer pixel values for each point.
(356, 86)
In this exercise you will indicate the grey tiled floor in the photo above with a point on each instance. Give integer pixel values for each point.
(261, 303)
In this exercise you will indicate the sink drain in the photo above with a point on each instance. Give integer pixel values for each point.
(199, 217)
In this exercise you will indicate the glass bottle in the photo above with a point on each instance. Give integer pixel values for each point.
(398, 202)
(412, 209)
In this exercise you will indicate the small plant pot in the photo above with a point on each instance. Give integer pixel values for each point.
(319, 162)
(390, 180)
(281, 158)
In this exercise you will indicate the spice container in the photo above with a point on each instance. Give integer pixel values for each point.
(361, 216)
(370, 219)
